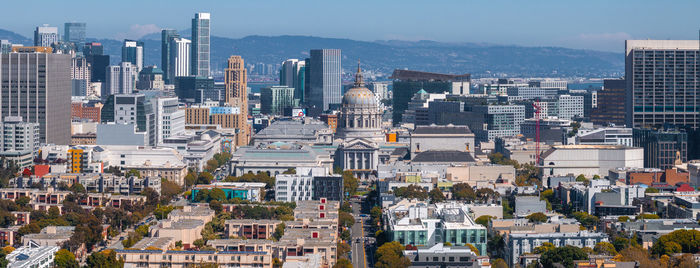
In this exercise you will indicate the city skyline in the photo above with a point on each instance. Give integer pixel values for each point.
(596, 25)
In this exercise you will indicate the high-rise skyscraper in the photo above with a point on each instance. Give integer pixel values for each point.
(662, 83)
(45, 36)
(120, 80)
(235, 79)
(165, 38)
(325, 79)
(74, 32)
(132, 51)
(80, 76)
(179, 57)
(200, 44)
(37, 87)
(288, 72)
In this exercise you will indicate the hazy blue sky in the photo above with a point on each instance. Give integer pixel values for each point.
(593, 24)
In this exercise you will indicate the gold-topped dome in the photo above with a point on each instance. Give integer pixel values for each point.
(359, 95)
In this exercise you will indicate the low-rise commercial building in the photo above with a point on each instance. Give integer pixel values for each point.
(518, 244)
(442, 256)
(589, 160)
(250, 191)
(276, 158)
(32, 257)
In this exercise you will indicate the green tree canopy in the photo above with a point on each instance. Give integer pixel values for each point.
(537, 217)
(350, 183)
(411, 192)
(564, 255)
(65, 258)
(605, 248)
(436, 195)
(390, 255)
(484, 220)
(462, 191)
(685, 241)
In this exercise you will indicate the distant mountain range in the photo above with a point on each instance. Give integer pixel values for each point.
(479, 59)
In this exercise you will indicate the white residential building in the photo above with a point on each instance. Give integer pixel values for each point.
(32, 257)
(522, 243)
(293, 187)
(16, 135)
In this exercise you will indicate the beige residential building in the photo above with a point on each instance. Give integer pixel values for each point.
(183, 259)
(245, 228)
(172, 172)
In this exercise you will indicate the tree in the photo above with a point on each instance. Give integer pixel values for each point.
(169, 190)
(77, 188)
(546, 246)
(605, 248)
(564, 255)
(436, 195)
(279, 231)
(685, 241)
(65, 258)
(343, 263)
(343, 249)
(484, 220)
(152, 197)
(651, 190)
(495, 245)
(537, 217)
(199, 243)
(376, 215)
(162, 212)
(390, 255)
(23, 201)
(190, 179)
(647, 216)
(411, 192)
(462, 191)
(499, 263)
(350, 183)
(623, 218)
(486, 195)
(586, 220)
(290, 171)
(345, 219)
(104, 259)
(204, 178)
(473, 249)
(133, 172)
(217, 194)
(178, 244)
(216, 206)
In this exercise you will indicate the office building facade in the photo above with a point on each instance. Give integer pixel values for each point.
(45, 36)
(201, 33)
(44, 79)
(16, 135)
(120, 79)
(610, 103)
(132, 51)
(273, 100)
(165, 37)
(407, 83)
(170, 120)
(235, 80)
(662, 149)
(80, 76)
(74, 32)
(325, 78)
(131, 109)
(662, 83)
(179, 62)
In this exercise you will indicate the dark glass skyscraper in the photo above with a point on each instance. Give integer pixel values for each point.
(166, 36)
(132, 51)
(200, 44)
(325, 78)
(74, 32)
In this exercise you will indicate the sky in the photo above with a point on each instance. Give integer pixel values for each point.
(589, 24)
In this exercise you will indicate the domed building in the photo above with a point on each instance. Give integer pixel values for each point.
(360, 128)
(360, 116)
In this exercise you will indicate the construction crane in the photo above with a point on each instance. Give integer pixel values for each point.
(537, 132)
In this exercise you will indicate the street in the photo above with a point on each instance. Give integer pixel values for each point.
(359, 240)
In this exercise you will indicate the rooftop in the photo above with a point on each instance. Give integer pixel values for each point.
(443, 156)
(443, 129)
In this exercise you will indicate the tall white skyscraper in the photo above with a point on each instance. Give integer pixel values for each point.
(120, 79)
(45, 35)
(179, 57)
(201, 32)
